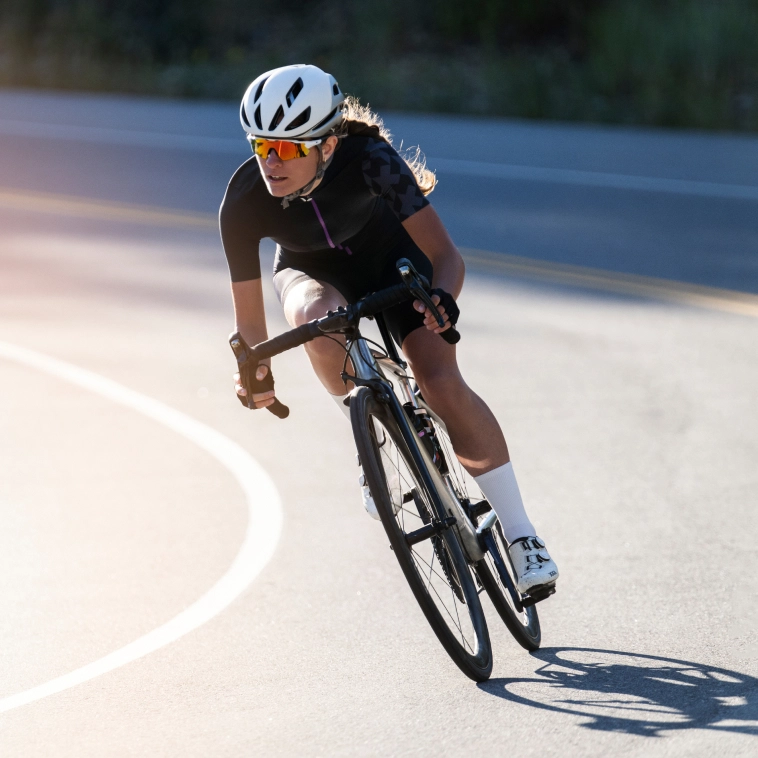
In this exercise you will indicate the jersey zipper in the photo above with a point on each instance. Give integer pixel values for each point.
(326, 231)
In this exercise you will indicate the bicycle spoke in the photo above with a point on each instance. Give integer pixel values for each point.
(431, 569)
(397, 468)
(444, 605)
(446, 581)
(436, 572)
(431, 565)
(455, 605)
(456, 621)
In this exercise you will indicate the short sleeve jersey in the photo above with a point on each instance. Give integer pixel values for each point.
(368, 190)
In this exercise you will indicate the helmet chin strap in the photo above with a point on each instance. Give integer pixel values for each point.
(320, 170)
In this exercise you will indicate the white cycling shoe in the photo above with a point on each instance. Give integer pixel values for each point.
(532, 564)
(393, 482)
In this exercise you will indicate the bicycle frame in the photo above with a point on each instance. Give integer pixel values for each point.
(386, 377)
(372, 372)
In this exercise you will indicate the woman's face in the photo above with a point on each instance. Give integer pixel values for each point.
(285, 177)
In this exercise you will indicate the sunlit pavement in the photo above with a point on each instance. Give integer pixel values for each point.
(631, 423)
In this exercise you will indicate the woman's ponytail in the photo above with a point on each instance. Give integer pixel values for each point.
(359, 120)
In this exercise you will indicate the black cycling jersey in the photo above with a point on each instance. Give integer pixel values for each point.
(357, 210)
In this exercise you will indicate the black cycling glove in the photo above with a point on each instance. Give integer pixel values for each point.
(447, 301)
(252, 385)
(257, 386)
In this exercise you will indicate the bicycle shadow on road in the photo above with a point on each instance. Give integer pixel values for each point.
(636, 694)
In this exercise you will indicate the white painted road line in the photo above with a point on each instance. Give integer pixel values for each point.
(104, 210)
(452, 166)
(263, 528)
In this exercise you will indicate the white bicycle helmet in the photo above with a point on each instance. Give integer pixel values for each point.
(297, 102)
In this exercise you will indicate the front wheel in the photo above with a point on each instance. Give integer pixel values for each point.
(429, 554)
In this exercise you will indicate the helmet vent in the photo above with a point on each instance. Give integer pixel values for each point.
(278, 116)
(335, 89)
(257, 116)
(324, 121)
(259, 90)
(300, 120)
(295, 90)
(244, 115)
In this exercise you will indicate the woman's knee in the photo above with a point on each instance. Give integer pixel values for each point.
(311, 300)
(308, 301)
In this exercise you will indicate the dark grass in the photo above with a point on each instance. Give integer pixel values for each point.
(678, 63)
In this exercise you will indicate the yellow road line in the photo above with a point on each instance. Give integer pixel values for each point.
(713, 298)
(80, 207)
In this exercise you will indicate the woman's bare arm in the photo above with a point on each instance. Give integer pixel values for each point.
(427, 230)
(250, 318)
(249, 314)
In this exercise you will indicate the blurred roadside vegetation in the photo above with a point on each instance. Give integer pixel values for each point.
(682, 63)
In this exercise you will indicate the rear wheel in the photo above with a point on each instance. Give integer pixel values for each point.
(435, 566)
(496, 575)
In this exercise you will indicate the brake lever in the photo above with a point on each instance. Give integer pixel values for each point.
(418, 285)
(240, 348)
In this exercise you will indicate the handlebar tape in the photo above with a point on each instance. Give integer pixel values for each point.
(286, 341)
(385, 299)
(255, 386)
(281, 344)
(278, 409)
(451, 335)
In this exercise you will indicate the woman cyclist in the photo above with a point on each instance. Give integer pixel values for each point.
(342, 205)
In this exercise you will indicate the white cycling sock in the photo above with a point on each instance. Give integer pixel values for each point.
(500, 488)
(340, 400)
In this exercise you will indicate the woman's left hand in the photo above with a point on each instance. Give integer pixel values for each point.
(430, 322)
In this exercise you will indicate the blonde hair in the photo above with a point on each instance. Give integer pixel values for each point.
(360, 120)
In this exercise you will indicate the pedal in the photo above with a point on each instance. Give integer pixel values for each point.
(541, 593)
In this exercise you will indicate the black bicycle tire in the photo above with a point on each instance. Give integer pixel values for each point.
(529, 636)
(363, 405)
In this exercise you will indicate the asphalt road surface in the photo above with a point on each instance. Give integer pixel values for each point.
(183, 578)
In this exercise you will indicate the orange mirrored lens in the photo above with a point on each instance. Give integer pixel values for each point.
(285, 150)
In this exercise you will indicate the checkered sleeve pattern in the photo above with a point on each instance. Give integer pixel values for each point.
(388, 175)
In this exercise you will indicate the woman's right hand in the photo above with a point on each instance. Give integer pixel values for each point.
(260, 400)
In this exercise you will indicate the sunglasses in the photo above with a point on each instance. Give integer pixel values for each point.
(285, 149)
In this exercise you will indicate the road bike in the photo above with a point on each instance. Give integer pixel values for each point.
(445, 536)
